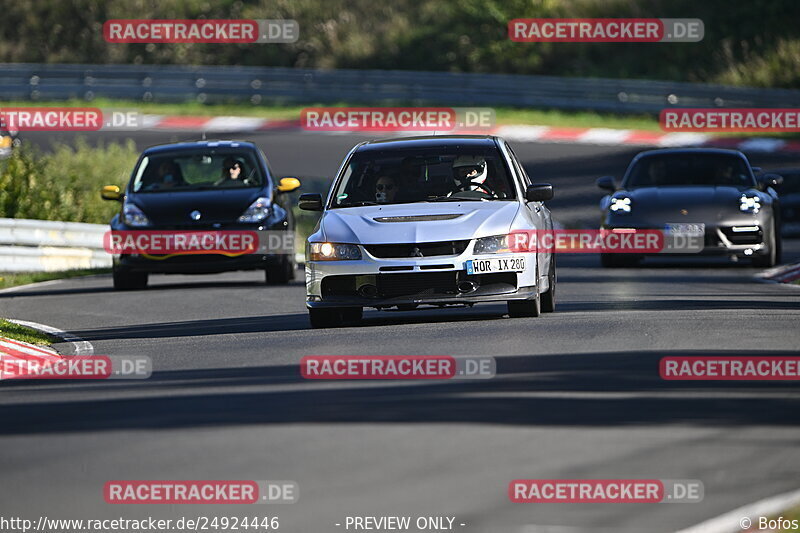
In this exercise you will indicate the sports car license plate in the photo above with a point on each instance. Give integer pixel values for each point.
(499, 264)
(688, 230)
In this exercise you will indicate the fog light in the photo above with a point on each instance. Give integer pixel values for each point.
(749, 251)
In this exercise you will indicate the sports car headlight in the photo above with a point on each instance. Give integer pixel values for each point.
(491, 245)
(331, 251)
(257, 212)
(5, 141)
(620, 205)
(749, 204)
(133, 216)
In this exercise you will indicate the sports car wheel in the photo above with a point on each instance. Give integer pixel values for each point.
(771, 258)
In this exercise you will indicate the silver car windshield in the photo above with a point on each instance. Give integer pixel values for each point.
(446, 173)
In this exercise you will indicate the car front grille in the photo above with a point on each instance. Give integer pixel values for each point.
(417, 284)
(422, 249)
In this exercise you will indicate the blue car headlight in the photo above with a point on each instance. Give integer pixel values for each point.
(257, 212)
(133, 216)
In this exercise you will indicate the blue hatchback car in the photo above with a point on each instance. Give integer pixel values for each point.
(195, 186)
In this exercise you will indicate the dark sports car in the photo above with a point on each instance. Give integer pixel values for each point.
(711, 191)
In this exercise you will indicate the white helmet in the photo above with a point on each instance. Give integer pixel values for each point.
(470, 169)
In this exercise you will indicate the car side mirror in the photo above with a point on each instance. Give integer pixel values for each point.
(111, 192)
(607, 183)
(539, 192)
(288, 184)
(770, 180)
(310, 202)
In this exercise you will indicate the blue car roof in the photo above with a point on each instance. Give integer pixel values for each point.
(194, 145)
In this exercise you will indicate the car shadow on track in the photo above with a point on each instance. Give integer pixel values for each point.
(570, 390)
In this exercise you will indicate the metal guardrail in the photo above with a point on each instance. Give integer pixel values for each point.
(48, 246)
(24, 81)
(43, 245)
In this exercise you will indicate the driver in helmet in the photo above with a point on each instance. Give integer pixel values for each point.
(470, 174)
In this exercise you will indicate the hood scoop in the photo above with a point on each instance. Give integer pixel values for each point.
(417, 218)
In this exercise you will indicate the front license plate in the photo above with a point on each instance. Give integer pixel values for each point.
(500, 264)
(688, 230)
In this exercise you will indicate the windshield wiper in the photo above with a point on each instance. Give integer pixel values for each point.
(453, 199)
(356, 204)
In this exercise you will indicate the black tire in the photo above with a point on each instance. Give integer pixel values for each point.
(549, 297)
(129, 281)
(771, 259)
(333, 317)
(619, 260)
(324, 318)
(280, 273)
(352, 315)
(526, 308)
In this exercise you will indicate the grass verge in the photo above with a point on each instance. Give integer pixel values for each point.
(9, 330)
(12, 279)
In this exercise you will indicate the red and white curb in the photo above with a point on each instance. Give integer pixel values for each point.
(781, 274)
(15, 351)
(520, 133)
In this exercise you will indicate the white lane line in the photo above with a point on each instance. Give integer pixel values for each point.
(81, 346)
(29, 285)
(733, 521)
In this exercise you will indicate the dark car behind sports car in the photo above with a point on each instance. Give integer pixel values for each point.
(691, 187)
(184, 187)
(789, 194)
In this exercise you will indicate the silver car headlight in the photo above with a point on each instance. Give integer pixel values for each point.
(749, 204)
(491, 245)
(620, 205)
(332, 251)
(134, 217)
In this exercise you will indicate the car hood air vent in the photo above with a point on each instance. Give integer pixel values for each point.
(417, 218)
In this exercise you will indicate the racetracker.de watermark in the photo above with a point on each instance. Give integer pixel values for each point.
(605, 30)
(224, 31)
(735, 120)
(440, 119)
(65, 119)
(730, 368)
(397, 367)
(77, 367)
(200, 492)
(606, 491)
(606, 241)
(183, 242)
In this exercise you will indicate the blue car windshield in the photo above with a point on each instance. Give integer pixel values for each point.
(191, 170)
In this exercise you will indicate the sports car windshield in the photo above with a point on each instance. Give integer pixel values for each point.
(197, 170)
(681, 170)
(424, 175)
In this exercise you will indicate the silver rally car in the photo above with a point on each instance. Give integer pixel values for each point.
(425, 221)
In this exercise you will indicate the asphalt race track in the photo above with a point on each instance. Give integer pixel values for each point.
(577, 395)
